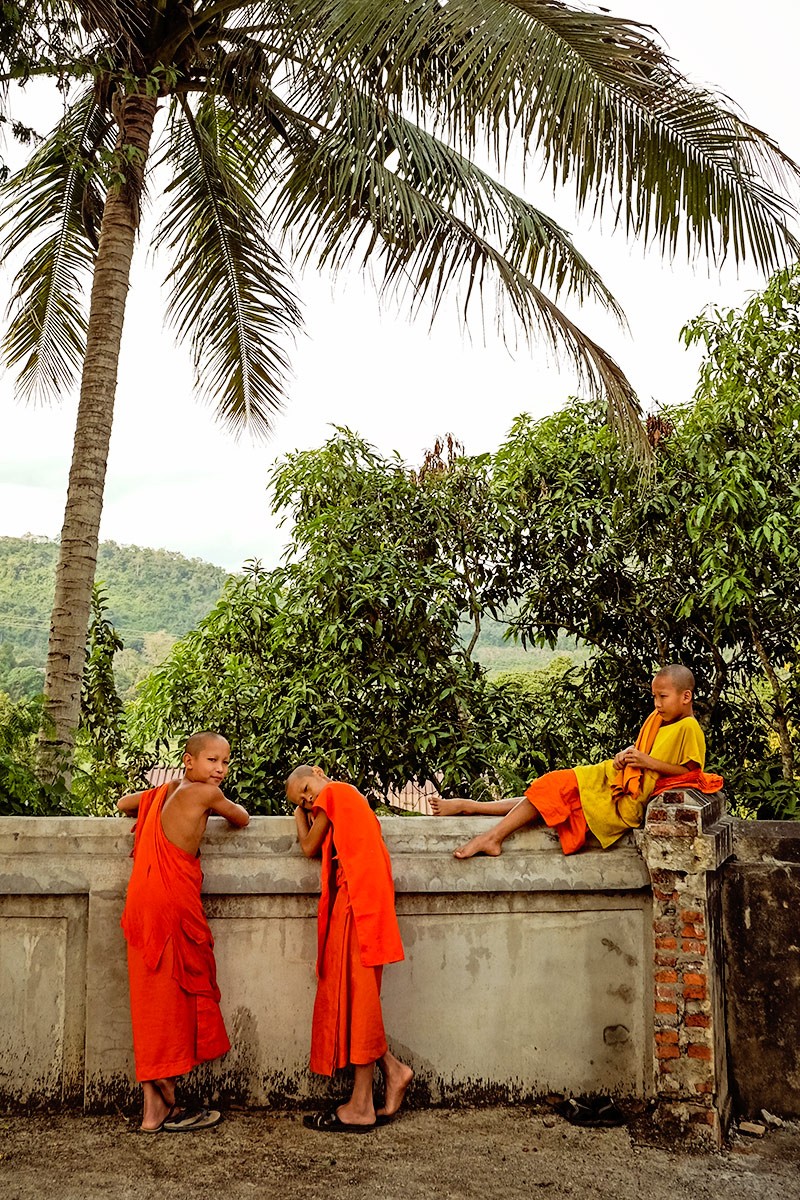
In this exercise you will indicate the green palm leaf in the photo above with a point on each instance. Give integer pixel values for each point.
(435, 220)
(51, 203)
(594, 95)
(228, 292)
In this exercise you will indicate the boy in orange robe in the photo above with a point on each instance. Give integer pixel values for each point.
(175, 1011)
(605, 798)
(357, 934)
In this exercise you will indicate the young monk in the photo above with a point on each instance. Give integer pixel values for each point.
(175, 1011)
(607, 798)
(357, 933)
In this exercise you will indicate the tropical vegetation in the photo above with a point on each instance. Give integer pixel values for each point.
(337, 133)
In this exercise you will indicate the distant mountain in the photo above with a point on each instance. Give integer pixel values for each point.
(148, 591)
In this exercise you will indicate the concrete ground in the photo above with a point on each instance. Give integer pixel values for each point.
(488, 1154)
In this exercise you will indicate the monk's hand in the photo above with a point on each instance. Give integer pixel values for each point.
(634, 757)
(620, 760)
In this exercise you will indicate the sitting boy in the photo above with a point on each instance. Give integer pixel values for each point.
(606, 798)
(175, 1011)
(357, 933)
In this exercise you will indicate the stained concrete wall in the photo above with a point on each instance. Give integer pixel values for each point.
(761, 910)
(524, 974)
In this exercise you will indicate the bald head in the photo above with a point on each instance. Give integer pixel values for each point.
(298, 775)
(198, 742)
(681, 678)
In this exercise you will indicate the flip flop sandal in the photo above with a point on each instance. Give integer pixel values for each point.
(607, 1114)
(192, 1120)
(575, 1112)
(329, 1122)
(601, 1113)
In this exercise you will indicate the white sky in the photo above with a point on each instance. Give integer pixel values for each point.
(177, 480)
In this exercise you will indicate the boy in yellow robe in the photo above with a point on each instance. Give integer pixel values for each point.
(605, 798)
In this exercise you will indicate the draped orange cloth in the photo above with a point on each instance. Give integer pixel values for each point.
(174, 995)
(701, 781)
(357, 933)
(557, 799)
(628, 781)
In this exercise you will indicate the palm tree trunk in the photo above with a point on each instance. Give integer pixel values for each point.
(80, 533)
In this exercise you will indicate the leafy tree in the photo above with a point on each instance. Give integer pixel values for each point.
(350, 127)
(701, 565)
(350, 654)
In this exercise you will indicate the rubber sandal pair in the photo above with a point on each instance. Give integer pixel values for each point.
(330, 1122)
(599, 1112)
(192, 1120)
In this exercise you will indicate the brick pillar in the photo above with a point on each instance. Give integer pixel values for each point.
(685, 840)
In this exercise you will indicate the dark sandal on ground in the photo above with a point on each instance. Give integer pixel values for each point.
(192, 1120)
(329, 1122)
(598, 1112)
(385, 1118)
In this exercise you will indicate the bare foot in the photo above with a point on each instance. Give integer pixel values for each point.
(159, 1101)
(351, 1114)
(484, 843)
(396, 1078)
(446, 808)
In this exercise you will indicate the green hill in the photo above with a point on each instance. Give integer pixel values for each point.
(154, 596)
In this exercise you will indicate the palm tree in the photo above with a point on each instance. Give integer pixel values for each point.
(344, 131)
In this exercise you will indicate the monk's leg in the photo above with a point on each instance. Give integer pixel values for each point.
(359, 1109)
(472, 808)
(159, 1100)
(491, 842)
(396, 1078)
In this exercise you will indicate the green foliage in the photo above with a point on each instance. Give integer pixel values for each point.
(20, 790)
(702, 565)
(349, 655)
(147, 591)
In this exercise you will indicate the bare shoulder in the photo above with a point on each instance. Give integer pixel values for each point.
(202, 794)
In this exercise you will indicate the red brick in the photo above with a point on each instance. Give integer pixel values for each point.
(664, 926)
(665, 991)
(694, 993)
(691, 931)
(667, 1052)
(689, 914)
(665, 960)
(693, 946)
(665, 1006)
(697, 1020)
(666, 976)
(703, 1118)
(694, 1050)
(661, 895)
(704, 1088)
(667, 1035)
(666, 943)
(692, 977)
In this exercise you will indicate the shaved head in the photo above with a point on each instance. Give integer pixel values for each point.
(299, 774)
(197, 742)
(680, 677)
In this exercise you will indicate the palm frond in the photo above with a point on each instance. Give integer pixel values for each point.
(49, 203)
(595, 95)
(437, 224)
(229, 297)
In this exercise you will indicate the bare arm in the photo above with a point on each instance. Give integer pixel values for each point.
(311, 831)
(129, 805)
(234, 814)
(631, 757)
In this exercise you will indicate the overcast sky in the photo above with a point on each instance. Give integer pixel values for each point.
(177, 480)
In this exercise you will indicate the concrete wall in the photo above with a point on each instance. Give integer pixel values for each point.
(761, 906)
(525, 974)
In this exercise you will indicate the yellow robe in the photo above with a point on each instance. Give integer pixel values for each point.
(680, 742)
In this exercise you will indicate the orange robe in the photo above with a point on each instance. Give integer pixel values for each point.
(357, 933)
(557, 796)
(175, 1011)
